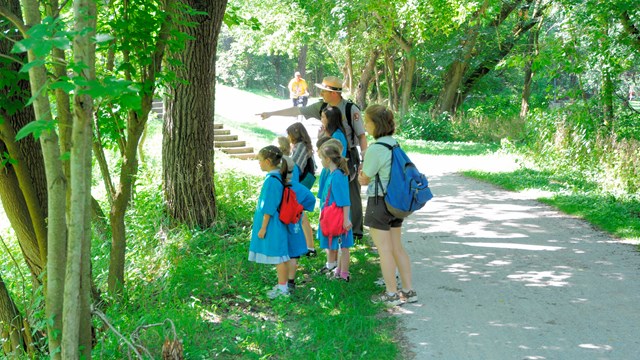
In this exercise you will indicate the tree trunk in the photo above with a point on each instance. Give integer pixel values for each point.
(76, 339)
(187, 145)
(10, 325)
(26, 176)
(122, 197)
(450, 92)
(368, 73)
(302, 60)
(347, 81)
(407, 82)
(532, 52)
(54, 242)
(390, 75)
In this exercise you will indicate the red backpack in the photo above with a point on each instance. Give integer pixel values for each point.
(290, 209)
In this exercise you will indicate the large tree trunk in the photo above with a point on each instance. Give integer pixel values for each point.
(187, 145)
(368, 73)
(10, 325)
(25, 178)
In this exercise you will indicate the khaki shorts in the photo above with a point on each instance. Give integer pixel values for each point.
(378, 217)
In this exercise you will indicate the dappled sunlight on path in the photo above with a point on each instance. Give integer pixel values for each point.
(501, 276)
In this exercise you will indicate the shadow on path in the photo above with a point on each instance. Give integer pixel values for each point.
(501, 276)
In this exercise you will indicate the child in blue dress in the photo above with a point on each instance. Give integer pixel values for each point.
(336, 186)
(269, 235)
(297, 244)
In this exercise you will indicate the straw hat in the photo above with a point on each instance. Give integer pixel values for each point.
(331, 83)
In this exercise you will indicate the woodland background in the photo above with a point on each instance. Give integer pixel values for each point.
(556, 80)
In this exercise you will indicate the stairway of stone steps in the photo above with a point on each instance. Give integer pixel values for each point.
(223, 140)
(229, 144)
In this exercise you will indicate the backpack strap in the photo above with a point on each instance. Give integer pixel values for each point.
(390, 147)
(283, 187)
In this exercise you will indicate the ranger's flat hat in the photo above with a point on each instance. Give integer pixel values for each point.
(331, 83)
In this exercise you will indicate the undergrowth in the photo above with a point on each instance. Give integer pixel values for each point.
(202, 281)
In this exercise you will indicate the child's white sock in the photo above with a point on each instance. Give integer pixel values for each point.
(331, 265)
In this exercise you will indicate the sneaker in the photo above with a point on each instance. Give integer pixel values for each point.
(311, 253)
(276, 292)
(409, 296)
(390, 300)
(291, 285)
(326, 270)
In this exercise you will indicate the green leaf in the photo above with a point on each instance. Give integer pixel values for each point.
(36, 128)
(64, 85)
(131, 101)
(29, 65)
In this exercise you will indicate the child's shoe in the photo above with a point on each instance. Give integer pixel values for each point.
(326, 270)
(387, 299)
(409, 296)
(277, 292)
(311, 253)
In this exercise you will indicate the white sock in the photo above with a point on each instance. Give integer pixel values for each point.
(331, 265)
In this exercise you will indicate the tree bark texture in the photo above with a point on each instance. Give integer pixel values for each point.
(10, 324)
(26, 177)
(187, 146)
(76, 340)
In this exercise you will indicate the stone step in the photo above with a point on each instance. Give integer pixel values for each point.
(247, 156)
(229, 144)
(237, 150)
(221, 132)
(217, 126)
(225, 137)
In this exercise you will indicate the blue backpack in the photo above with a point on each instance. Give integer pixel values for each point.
(408, 189)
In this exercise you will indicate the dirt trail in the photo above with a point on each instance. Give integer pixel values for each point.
(500, 275)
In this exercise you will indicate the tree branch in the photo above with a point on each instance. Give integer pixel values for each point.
(14, 19)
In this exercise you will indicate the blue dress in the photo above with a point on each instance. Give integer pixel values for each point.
(297, 243)
(339, 183)
(273, 248)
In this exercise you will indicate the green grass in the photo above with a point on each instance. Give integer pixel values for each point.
(617, 215)
(203, 282)
(448, 148)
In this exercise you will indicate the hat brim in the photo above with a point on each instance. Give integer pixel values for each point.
(328, 88)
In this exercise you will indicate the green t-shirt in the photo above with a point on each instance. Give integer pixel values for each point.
(377, 160)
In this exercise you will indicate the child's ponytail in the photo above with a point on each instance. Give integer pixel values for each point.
(334, 153)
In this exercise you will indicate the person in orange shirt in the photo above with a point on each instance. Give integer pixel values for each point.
(298, 90)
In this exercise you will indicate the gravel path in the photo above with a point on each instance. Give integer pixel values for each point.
(502, 276)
